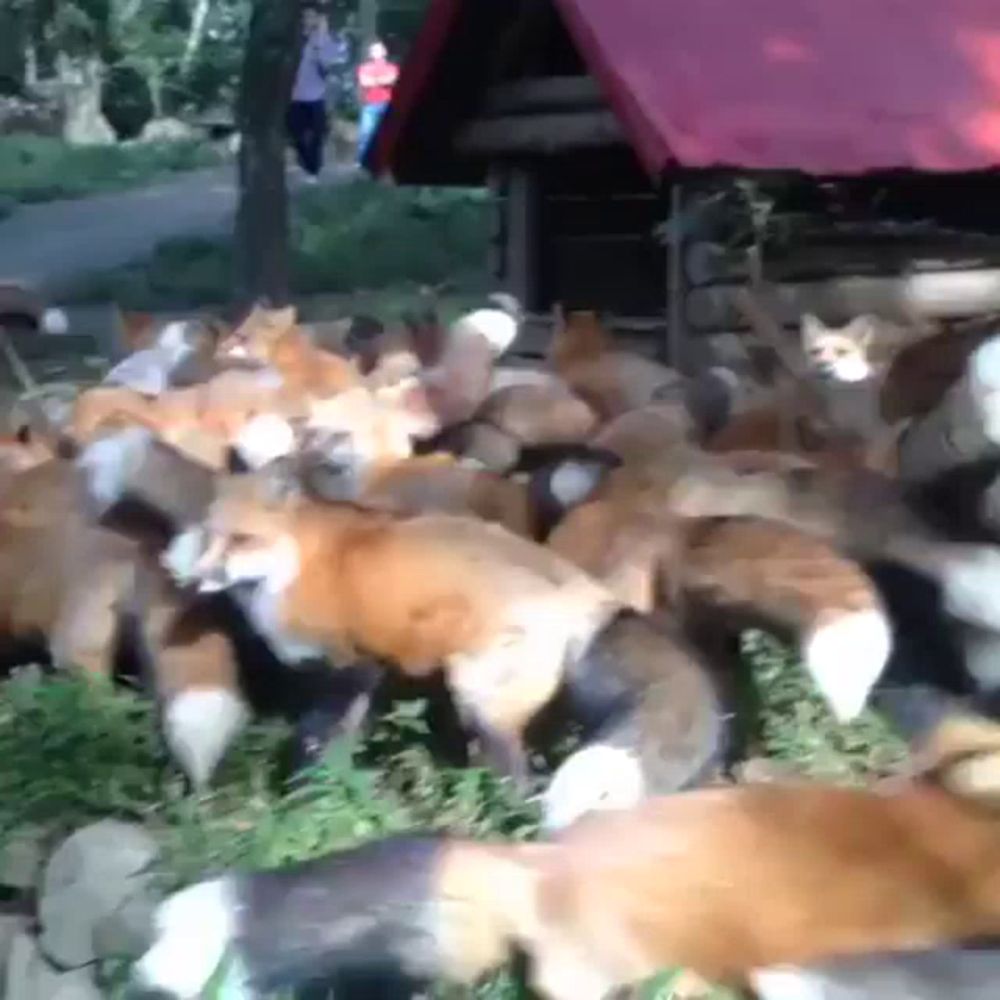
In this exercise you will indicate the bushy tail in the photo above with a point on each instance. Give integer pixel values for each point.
(194, 930)
(782, 576)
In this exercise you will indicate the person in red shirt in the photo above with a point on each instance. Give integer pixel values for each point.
(376, 78)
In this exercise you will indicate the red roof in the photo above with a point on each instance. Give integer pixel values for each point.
(825, 86)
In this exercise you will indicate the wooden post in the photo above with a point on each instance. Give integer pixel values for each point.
(497, 183)
(523, 203)
(676, 327)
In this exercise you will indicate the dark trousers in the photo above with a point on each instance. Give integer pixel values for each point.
(307, 128)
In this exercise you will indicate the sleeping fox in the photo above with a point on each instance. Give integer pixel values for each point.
(510, 623)
(725, 882)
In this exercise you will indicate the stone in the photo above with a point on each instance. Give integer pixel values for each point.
(29, 977)
(21, 858)
(167, 130)
(91, 875)
(12, 925)
(128, 931)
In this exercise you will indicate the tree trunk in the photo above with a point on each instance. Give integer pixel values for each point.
(196, 34)
(80, 81)
(367, 23)
(261, 244)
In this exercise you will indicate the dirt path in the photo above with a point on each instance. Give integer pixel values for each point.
(50, 244)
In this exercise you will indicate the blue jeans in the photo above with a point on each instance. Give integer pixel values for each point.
(371, 115)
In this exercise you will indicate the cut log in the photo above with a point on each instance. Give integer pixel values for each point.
(542, 133)
(807, 259)
(928, 295)
(545, 93)
(963, 428)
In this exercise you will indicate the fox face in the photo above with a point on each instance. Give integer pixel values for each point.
(358, 430)
(839, 354)
(257, 335)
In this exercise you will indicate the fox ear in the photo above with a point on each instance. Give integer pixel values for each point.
(811, 327)
(861, 330)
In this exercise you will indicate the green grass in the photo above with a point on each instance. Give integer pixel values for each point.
(73, 752)
(346, 239)
(37, 168)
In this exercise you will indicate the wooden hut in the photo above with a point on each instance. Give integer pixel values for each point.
(592, 119)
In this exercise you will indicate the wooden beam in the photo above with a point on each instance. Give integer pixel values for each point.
(522, 201)
(924, 295)
(677, 328)
(551, 93)
(549, 133)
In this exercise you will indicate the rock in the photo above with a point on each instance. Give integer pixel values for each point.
(128, 931)
(167, 130)
(12, 926)
(21, 858)
(89, 878)
(30, 977)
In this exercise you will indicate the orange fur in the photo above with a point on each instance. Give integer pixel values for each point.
(725, 881)
(273, 337)
(770, 428)
(611, 382)
(439, 483)
(627, 538)
(200, 420)
(61, 578)
(922, 372)
(497, 612)
(539, 413)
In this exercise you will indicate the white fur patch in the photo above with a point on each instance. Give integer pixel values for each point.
(853, 368)
(265, 438)
(108, 462)
(173, 340)
(572, 483)
(970, 583)
(846, 657)
(181, 557)
(597, 777)
(194, 928)
(274, 569)
(146, 371)
(499, 328)
(786, 983)
(199, 726)
(55, 321)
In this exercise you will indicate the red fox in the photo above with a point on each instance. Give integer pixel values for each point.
(610, 381)
(863, 514)
(763, 572)
(510, 623)
(69, 585)
(274, 338)
(202, 420)
(359, 448)
(724, 882)
(539, 413)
